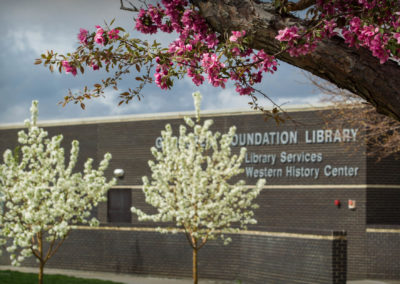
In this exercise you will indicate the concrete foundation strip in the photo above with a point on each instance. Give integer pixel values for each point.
(251, 233)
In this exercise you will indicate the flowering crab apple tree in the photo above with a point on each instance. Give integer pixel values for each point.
(42, 197)
(191, 184)
(354, 44)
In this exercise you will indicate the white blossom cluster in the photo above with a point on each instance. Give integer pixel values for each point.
(41, 195)
(191, 182)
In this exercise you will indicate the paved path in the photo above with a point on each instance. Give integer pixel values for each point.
(136, 279)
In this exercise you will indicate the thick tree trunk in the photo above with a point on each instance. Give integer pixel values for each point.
(353, 69)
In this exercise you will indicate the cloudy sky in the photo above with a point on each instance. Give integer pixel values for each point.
(29, 28)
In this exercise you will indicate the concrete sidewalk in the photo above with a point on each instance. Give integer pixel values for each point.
(137, 279)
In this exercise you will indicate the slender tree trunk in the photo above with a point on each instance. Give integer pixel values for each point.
(195, 273)
(41, 261)
(41, 267)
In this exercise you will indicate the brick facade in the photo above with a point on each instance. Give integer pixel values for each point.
(287, 204)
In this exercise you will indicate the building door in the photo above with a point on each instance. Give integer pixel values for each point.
(119, 205)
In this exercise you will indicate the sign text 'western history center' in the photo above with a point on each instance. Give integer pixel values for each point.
(285, 164)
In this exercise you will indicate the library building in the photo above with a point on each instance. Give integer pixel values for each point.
(328, 213)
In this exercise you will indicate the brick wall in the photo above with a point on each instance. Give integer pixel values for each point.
(383, 244)
(275, 257)
(383, 206)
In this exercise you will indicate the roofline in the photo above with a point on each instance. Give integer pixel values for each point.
(160, 116)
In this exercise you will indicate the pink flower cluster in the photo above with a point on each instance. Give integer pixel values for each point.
(68, 67)
(262, 63)
(144, 23)
(82, 36)
(212, 67)
(99, 36)
(197, 78)
(265, 63)
(288, 34)
(291, 36)
(194, 38)
(113, 34)
(161, 75)
(372, 24)
(367, 36)
(196, 49)
(236, 35)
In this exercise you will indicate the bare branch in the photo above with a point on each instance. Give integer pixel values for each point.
(132, 9)
(58, 246)
(381, 133)
(300, 5)
(203, 242)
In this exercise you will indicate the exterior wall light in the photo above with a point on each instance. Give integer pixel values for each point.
(352, 204)
(119, 173)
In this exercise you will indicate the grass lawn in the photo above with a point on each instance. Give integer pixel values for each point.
(14, 277)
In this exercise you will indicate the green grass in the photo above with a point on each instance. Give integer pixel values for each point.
(14, 277)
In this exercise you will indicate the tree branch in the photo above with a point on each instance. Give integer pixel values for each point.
(133, 9)
(58, 246)
(300, 5)
(348, 68)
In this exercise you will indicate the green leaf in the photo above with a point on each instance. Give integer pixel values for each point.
(120, 29)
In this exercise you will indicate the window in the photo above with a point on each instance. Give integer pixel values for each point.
(119, 205)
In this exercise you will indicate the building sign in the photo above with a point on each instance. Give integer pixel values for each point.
(302, 164)
(262, 161)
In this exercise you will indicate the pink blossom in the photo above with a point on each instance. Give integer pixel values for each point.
(287, 34)
(196, 78)
(244, 90)
(144, 23)
(113, 34)
(82, 36)
(235, 51)
(212, 67)
(267, 63)
(155, 14)
(328, 29)
(237, 35)
(99, 38)
(397, 36)
(161, 75)
(355, 24)
(211, 40)
(68, 67)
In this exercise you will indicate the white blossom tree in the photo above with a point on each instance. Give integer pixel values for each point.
(43, 197)
(191, 184)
